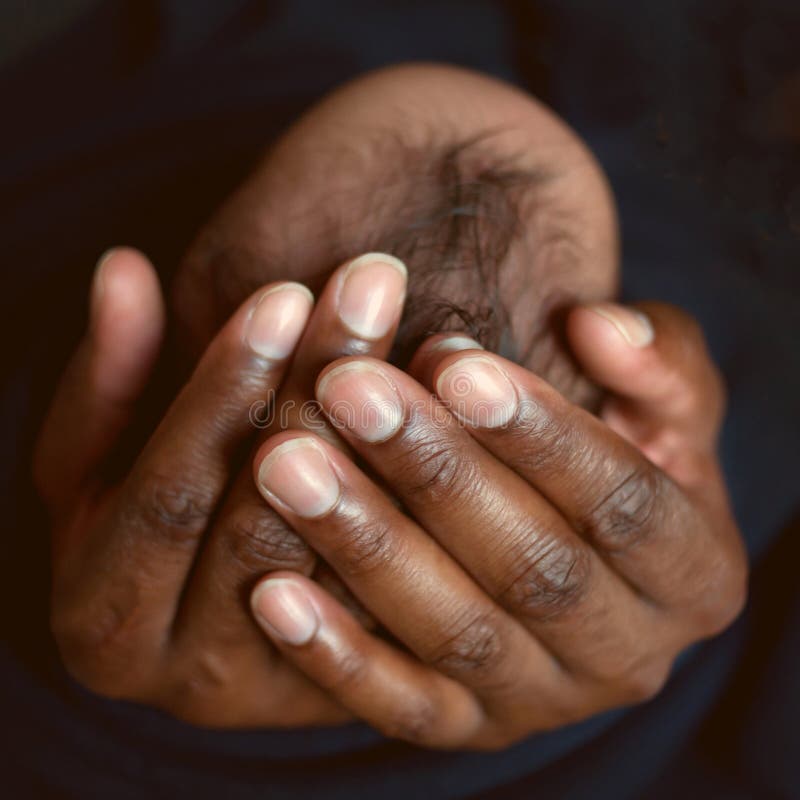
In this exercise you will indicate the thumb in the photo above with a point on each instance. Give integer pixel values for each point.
(95, 398)
(666, 393)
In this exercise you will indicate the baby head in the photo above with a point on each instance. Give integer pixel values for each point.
(499, 211)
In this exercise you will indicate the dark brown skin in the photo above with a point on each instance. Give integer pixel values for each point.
(551, 571)
(123, 594)
(582, 555)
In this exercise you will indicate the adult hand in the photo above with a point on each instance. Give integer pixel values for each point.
(551, 565)
(151, 576)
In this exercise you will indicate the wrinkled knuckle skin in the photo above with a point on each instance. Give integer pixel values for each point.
(98, 649)
(628, 515)
(432, 468)
(364, 547)
(175, 508)
(543, 441)
(259, 541)
(551, 580)
(473, 653)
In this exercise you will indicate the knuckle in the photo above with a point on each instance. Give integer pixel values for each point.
(258, 541)
(544, 441)
(195, 693)
(176, 507)
(625, 517)
(99, 647)
(435, 466)
(414, 720)
(474, 652)
(553, 578)
(364, 547)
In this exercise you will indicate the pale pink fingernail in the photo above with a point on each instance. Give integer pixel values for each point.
(372, 293)
(278, 320)
(455, 343)
(478, 392)
(285, 611)
(634, 326)
(299, 474)
(358, 396)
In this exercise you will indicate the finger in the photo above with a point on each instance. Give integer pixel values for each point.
(248, 539)
(136, 563)
(373, 680)
(358, 311)
(668, 396)
(397, 571)
(95, 398)
(510, 538)
(636, 516)
(431, 352)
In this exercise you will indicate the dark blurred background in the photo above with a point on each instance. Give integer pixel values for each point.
(129, 122)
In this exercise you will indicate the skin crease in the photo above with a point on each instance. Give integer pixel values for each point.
(199, 653)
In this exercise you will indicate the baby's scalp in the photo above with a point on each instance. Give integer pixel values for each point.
(501, 225)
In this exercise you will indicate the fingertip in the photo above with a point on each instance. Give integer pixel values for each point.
(370, 294)
(127, 321)
(612, 343)
(434, 350)
(614, 324)
(277, 319)
(295, 474)
(126, 292)
(95, 398)
(284, 609)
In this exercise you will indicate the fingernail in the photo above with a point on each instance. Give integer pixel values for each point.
(454, 343)
(278, 320)
(635, 327)
(284, 611)
(300, 476)
(478, 392)
(372, 293)
(359, 397)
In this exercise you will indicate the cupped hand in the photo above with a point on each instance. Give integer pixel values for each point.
(151, 575)
(546, 565)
